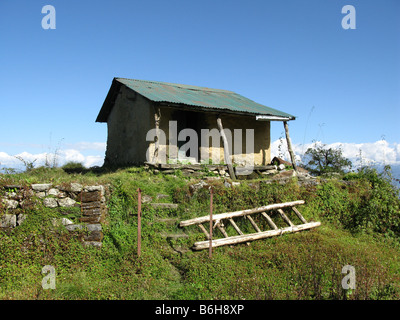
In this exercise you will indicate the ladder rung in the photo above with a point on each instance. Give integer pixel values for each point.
(222, 229)
(235, 226)
(283, 215)
(299, 215)
(204, 230)
(269, 220)
(253, 223)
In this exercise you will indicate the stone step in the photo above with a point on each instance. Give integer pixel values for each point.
(168, 220)
(174, 235)
(164, 205)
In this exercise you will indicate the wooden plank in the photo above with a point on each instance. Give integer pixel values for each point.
(253, 223)
(299, 215)
(254, 236)
(228, 215)
(269, 220)
(226, 149)
(283, 215)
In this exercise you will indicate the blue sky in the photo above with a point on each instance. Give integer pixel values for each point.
(343, 85)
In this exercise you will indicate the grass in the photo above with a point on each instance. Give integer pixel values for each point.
(303, 266)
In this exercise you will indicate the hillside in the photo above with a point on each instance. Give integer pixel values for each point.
(360, 227)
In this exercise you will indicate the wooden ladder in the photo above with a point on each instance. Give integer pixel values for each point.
(217, 221)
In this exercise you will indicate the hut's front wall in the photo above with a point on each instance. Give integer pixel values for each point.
(128, 123)
(243, 154)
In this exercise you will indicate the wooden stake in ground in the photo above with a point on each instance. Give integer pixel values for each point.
(139, 230)
(226, 149)
(289, 143)
(211, 223)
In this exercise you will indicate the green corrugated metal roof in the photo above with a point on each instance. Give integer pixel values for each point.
(194, 96)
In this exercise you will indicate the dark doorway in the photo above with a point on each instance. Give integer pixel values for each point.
(188, 120)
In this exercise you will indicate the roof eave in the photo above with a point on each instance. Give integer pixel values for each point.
(263, 117)
(109, 101)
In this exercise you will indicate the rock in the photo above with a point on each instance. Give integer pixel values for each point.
(270, 172)
(221, 172)
(76, 187)
(41, 187)
(61, 194)
(66, 202)
(94, 236)
(50, 203)
(162, 196)
(227, 184)
(212, 178)
(41, 194)
(74, 227)
(281, 167)
(234, 183)
(96, 244)
(63, 221)
(66, 221)
(11, 195)
(197, 186)
(10, 204)
(146, 198)
(95, 219)
(164, 205)
(8, 221)
(21, 218)
(53, 192)
(94, 227)
(94, 188)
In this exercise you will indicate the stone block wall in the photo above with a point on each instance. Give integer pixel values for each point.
(90, 199)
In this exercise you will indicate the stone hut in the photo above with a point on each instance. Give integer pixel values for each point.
(158, 122)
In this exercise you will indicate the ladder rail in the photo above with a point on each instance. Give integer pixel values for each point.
(259, 234)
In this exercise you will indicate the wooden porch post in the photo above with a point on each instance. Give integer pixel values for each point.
(226, 149)
(289, 143)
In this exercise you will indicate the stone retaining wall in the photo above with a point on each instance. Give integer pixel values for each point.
(90, 199)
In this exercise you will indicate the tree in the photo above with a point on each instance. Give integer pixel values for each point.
(320, 159)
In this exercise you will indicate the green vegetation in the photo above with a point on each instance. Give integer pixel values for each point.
(360, 227)
(322, 160)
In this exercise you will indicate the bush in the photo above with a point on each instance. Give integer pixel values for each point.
(321, 160)
(73, 167)
(368, 202)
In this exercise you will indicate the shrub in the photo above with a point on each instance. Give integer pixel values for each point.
(73, 167)
(322, 160)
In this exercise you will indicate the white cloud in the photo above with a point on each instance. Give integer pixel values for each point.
(378, 152)
(57, 159)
